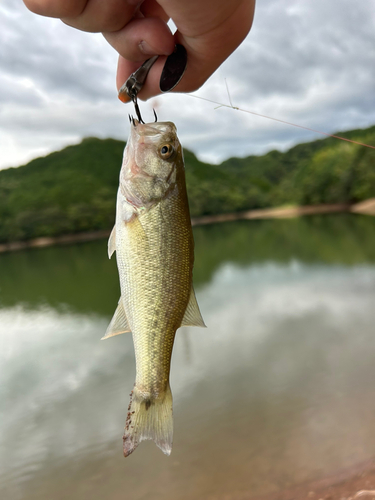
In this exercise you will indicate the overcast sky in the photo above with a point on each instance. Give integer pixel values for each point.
(311, 62)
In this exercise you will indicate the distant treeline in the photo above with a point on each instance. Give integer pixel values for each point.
(74, 190)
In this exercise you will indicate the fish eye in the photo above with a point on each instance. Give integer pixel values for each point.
(166, 151)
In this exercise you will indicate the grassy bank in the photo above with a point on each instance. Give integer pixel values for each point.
(367, 207)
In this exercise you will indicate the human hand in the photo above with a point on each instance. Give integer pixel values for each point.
(210, 30)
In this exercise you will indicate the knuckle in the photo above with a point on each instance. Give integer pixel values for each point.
(36, 6)
(55, 8)
(113, 20)
(103, 19)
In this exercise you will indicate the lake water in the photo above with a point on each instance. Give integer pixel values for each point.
(278, 390)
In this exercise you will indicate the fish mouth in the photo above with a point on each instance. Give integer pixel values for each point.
(148, 134)
(139, 129)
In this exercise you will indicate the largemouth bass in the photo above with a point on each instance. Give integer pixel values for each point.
(154, 246)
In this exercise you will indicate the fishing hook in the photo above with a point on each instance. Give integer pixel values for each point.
(172, 73)
(134, 84)
(137, 110)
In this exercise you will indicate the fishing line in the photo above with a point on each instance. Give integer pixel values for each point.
(220, 104)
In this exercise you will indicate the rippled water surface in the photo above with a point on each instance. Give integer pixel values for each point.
(279, 389)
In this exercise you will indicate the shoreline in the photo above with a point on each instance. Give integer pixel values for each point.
(366, 207)
(350, 483)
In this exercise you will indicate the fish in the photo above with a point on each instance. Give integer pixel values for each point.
(154, 246)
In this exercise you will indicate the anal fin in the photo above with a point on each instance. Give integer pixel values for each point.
(192, 316)
(119, 323)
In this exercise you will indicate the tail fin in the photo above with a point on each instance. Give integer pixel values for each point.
(149, 418)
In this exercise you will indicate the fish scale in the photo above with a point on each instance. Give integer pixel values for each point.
(157, 279)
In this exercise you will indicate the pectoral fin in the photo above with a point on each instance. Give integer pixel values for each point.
(127, 211)
(112, 242)
(192, 315)
(119, 323)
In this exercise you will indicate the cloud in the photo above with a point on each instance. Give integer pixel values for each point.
(308, 62)
(61, 61)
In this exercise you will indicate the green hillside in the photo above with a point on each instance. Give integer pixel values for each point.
(74, 190)
(323, 171)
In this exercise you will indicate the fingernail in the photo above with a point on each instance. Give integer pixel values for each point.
(174, 68)
(146, 48)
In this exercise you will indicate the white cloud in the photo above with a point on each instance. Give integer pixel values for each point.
(311, 63)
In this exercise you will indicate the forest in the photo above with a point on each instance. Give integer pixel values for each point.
(74, 190)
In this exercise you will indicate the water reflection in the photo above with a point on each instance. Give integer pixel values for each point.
(329, 239)
(279, 389)
(81, 277)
